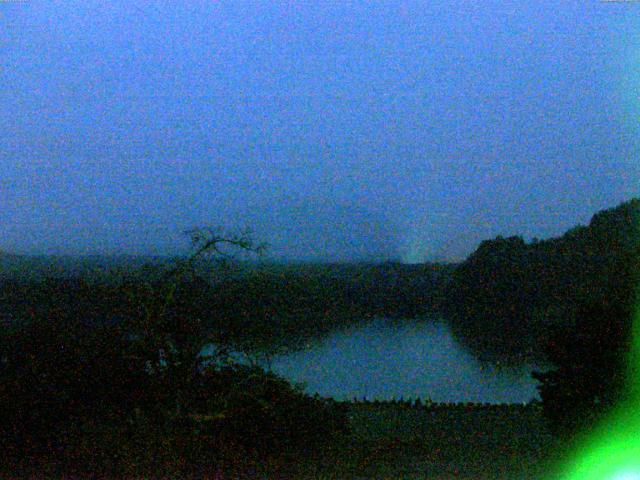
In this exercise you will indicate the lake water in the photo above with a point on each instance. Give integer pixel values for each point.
(386, 360)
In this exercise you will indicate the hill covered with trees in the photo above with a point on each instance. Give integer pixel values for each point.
(507, 298)
(250, 304)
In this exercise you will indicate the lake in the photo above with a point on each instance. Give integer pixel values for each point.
(385, 360)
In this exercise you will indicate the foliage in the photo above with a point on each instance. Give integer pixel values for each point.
(109, 379)
(590, 358)
(569, 300)
(251, 305)
(487, 297)
(590, 348)
(255, 408)
(274, 306)
(508, 296)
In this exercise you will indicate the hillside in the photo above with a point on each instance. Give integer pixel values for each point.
(505, 297)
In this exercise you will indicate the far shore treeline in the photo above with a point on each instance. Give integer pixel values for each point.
(503, 302)
(250, 305)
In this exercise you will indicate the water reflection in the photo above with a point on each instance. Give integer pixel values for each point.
(387, 360)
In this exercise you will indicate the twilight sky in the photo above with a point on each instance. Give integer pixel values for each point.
(336, 130)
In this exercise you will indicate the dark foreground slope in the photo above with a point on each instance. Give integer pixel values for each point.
(446, 442)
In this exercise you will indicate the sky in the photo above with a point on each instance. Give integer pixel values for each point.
(334, 130)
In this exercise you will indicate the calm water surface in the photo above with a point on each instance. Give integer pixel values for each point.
(388, 360)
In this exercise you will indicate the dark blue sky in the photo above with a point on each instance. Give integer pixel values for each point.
(337, 130)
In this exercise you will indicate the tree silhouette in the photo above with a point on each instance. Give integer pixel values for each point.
(168, 331)
(590, 354)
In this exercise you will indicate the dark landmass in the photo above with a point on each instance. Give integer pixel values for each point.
(248, 305)
(394, 440)
(101, 369)
(505, 300)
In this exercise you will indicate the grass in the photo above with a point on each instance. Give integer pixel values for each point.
(385, 441)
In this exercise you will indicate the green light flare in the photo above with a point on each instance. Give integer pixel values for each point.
(627, 475)
(612, 450)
